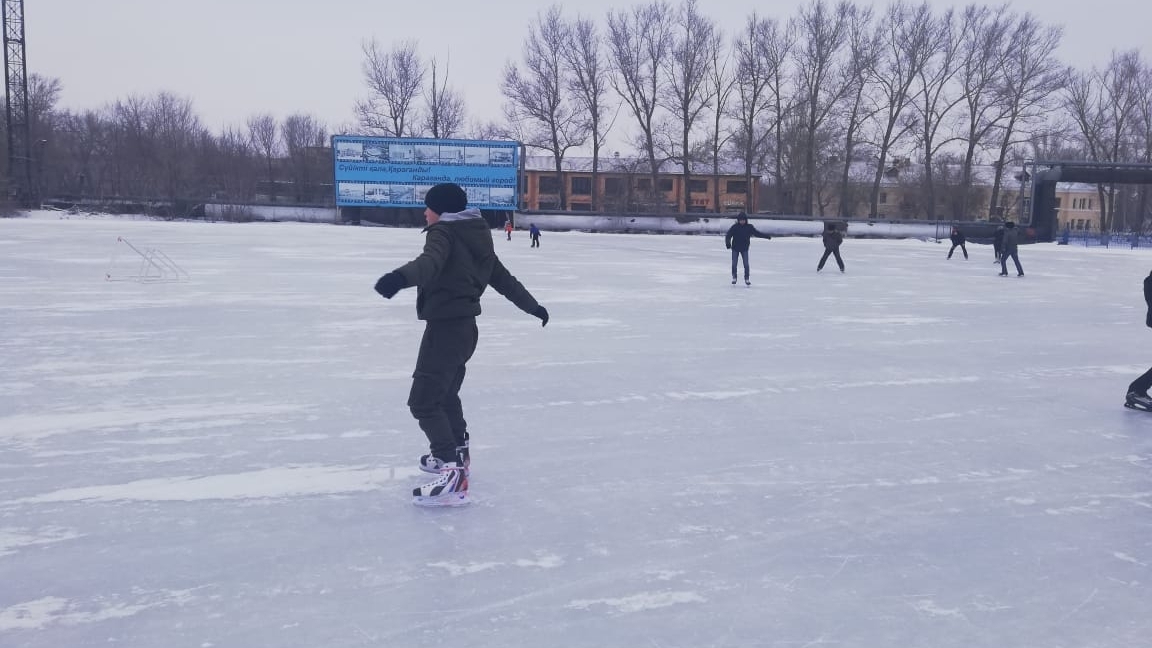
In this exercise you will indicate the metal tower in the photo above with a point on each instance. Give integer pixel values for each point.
(16, 117)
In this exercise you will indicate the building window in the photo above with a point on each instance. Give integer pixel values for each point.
(1080, 224)
(697, 186)
(1089, 204)
(613, 187)
(580, 206)
(548, 185)
(883, 198)
(547, 204)
(644, 184)
(1057, 203)
(581, 186)
(736, 186)
(665, 184)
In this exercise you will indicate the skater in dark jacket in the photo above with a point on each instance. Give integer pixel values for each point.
(1138, 391)
(534, 234)
(739, 239)
(998, 243)
(1009, 250)
(833, 237)
(957, 241)
(458, 263)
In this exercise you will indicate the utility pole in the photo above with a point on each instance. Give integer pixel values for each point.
(16, 115)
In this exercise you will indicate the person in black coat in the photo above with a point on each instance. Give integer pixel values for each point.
(833, 237)
(738, 239)
(958, 241)
(1008, 249)
(1138, 391)
(456, 267)
(998, 243)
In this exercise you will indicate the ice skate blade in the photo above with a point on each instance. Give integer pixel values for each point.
(451, 500)
(1137, 407)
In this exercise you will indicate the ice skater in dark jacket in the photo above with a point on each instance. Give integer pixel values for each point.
(1009, 249)
(1138, 391)
(458, 263)
(738, 239)
(957, 241)
(833, 237)
(998, 243)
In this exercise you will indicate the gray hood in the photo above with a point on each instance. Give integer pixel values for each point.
(469, 213)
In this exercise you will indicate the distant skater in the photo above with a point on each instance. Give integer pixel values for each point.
(957, 241)
(1138, 391)
(1009, 250)
(508, 229)
(833, 237)
(739, 239)
(534, 233)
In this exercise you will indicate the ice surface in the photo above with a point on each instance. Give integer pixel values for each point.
(917, 453)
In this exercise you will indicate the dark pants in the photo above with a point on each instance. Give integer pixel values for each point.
(829, 252)
(446, 347)
(998, 250)
(535, 241)
(962, 249)
(1142, 384)
(736, 255)
(1015, 259)
(509, 232)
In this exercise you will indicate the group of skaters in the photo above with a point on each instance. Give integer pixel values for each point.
(457, 265)
(1005, 244)
(533, 232)
(739, 239)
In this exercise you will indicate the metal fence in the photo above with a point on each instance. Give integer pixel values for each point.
(1093, 238)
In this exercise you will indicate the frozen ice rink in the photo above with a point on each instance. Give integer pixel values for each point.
(917, 453)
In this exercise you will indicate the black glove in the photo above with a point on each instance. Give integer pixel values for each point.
(542, 313)
(390, 284)
(727, 246)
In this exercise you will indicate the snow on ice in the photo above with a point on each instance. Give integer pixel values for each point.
(916, 453)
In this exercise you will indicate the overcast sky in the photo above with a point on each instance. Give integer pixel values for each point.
(236, 58)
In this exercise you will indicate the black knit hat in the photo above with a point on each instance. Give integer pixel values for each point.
(741, 216)
(446, 198)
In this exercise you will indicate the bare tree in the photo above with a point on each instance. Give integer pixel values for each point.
(983, 53)
(906, 47)
(863, 46)
(394, 80)
(822, 32)
(588, 82)
(935, 101)
(640, 41)
(444, 110)
(693, 46)
(1103, 103)
(757, 65)
(1031, 77)
(536, 96)
(265, 137)
(721, 83)
(305, 142)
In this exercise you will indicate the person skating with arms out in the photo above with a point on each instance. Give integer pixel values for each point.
(458, 263)
(739, 239)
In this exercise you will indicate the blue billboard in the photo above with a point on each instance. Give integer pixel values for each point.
(398, 171)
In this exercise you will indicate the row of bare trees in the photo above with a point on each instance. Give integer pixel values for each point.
(155, 148)
(829, 105)
(825, 102)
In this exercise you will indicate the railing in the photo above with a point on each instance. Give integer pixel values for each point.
(1095, 238)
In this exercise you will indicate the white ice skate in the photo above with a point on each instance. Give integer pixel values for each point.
(449, 489)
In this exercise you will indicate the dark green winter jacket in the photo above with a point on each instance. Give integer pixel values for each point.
(457, 264)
